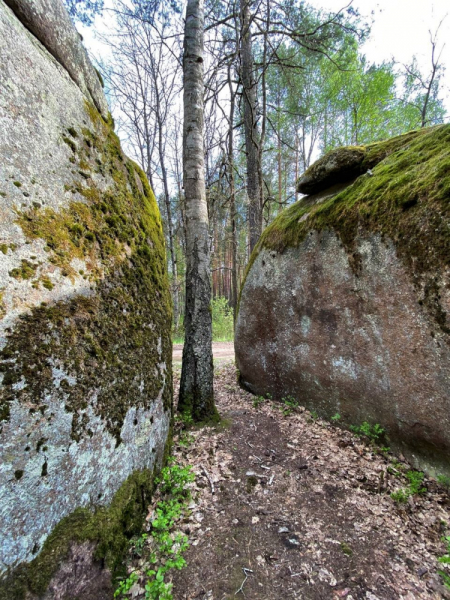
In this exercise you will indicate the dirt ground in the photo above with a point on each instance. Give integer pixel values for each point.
(288, 506)
(221, 351)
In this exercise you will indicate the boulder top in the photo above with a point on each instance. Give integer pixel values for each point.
(337, 166)
(343, 165)
(402, 193)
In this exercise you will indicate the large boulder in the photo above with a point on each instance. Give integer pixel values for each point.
(85, 316)
(346, 302)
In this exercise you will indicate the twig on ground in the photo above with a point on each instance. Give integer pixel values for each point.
(208, 478)
(246, 571)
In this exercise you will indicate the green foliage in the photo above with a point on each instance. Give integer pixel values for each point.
(126, 584)
(346, 549)
(185, 439)
(185, 419)
(222, 320)
(374, 432)
(164, 546)
(139, 543)
(335, 418)
(290, 404)
(222, 323)
(415, 480)
(173, 480)
(445, 560)
(400, 496)
(258, 400)
(444, 480)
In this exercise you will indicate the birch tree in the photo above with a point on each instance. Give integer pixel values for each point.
(196, 386)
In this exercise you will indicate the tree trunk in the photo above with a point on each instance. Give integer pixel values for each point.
(234, 279)
(196, 386)
(252, 138)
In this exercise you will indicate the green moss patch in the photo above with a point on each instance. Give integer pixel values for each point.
(27, 270)
(108, 341)
(111, 528)
(405, 198)
(2, 305)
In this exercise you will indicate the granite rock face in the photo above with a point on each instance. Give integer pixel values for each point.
(50, 23)
(85, 313)
(346, 303)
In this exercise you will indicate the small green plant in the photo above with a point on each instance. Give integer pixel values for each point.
(139, 543)
(257, 401)
(164, 546)
(346, 549)
(314, 415)
(185, 439)
(173, 479)
(126, 584)
(185, 419)
(415, 479)
(290, 404)
(335, 418)
(400, 496)
(375, 433)
(444, 480)
(445, 560)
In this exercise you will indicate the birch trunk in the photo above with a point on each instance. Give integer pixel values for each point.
(196, 386)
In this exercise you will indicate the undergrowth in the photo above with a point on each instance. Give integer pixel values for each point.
(445, 560)
(414, 486)
(161, 549)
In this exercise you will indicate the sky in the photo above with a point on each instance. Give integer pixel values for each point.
(400, 30)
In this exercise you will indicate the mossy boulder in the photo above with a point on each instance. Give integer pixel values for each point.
(85, 319)
(346, 302)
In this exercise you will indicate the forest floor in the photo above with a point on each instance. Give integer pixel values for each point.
(286, 505)
(302, 509)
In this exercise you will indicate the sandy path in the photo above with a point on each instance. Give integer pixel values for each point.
(221, 351)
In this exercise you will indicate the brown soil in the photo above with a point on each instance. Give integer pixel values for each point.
(221, 351)
(306, 508)
(290, 506)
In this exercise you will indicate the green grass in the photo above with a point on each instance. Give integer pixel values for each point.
(222, 323)
(415, 481)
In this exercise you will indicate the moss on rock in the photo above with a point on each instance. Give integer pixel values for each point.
(110, 528)
(106, 339)
(406, 198)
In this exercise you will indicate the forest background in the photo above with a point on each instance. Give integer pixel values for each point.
(286, 81)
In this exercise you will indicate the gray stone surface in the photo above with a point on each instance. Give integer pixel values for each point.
(85, 350)
(50, 23)
(357, 344)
